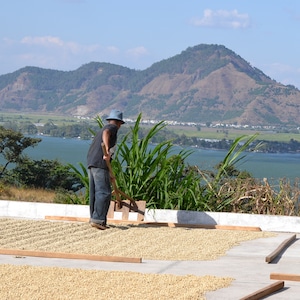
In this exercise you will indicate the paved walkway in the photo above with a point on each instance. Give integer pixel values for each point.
(246, 263)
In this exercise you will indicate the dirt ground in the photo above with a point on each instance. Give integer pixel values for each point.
(154, 243)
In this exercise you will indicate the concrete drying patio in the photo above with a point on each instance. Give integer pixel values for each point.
(246, 262)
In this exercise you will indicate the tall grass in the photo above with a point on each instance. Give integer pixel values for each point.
(260, 197)
(217, 197)
(26, 194)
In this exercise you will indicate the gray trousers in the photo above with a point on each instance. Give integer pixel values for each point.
(100, 194)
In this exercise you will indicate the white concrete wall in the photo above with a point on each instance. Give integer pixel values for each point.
(34, 210)
(265, 222)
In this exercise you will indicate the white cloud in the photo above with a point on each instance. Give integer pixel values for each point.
(42, 41)
(46, 52)
(222, 19)
(55, 42)
(113, 49)
(55, 53)
(137, 52)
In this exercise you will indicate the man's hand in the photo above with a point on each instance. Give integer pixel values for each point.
(107, 156)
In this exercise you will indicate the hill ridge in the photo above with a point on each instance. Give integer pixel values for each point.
(204, 83)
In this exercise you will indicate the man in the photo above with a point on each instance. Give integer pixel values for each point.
(99, 177)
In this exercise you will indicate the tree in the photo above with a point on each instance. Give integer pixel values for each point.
(28, 128)
(12, 145)
(47, 174)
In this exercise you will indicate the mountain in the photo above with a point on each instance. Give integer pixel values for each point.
(204, 83)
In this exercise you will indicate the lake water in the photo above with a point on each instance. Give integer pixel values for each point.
(260, 165)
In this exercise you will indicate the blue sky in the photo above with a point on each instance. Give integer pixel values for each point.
(65, 34)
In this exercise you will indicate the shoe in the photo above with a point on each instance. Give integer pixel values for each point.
(98, 226)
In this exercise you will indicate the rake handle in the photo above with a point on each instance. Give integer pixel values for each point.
(111, 174)
(117, 191)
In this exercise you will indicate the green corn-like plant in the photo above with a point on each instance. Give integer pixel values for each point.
(235, 154)
(150, 172)
(84, 178)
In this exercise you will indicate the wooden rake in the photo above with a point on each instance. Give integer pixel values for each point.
(117, 192)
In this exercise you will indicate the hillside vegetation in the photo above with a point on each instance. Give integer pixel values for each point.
(204, 83)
